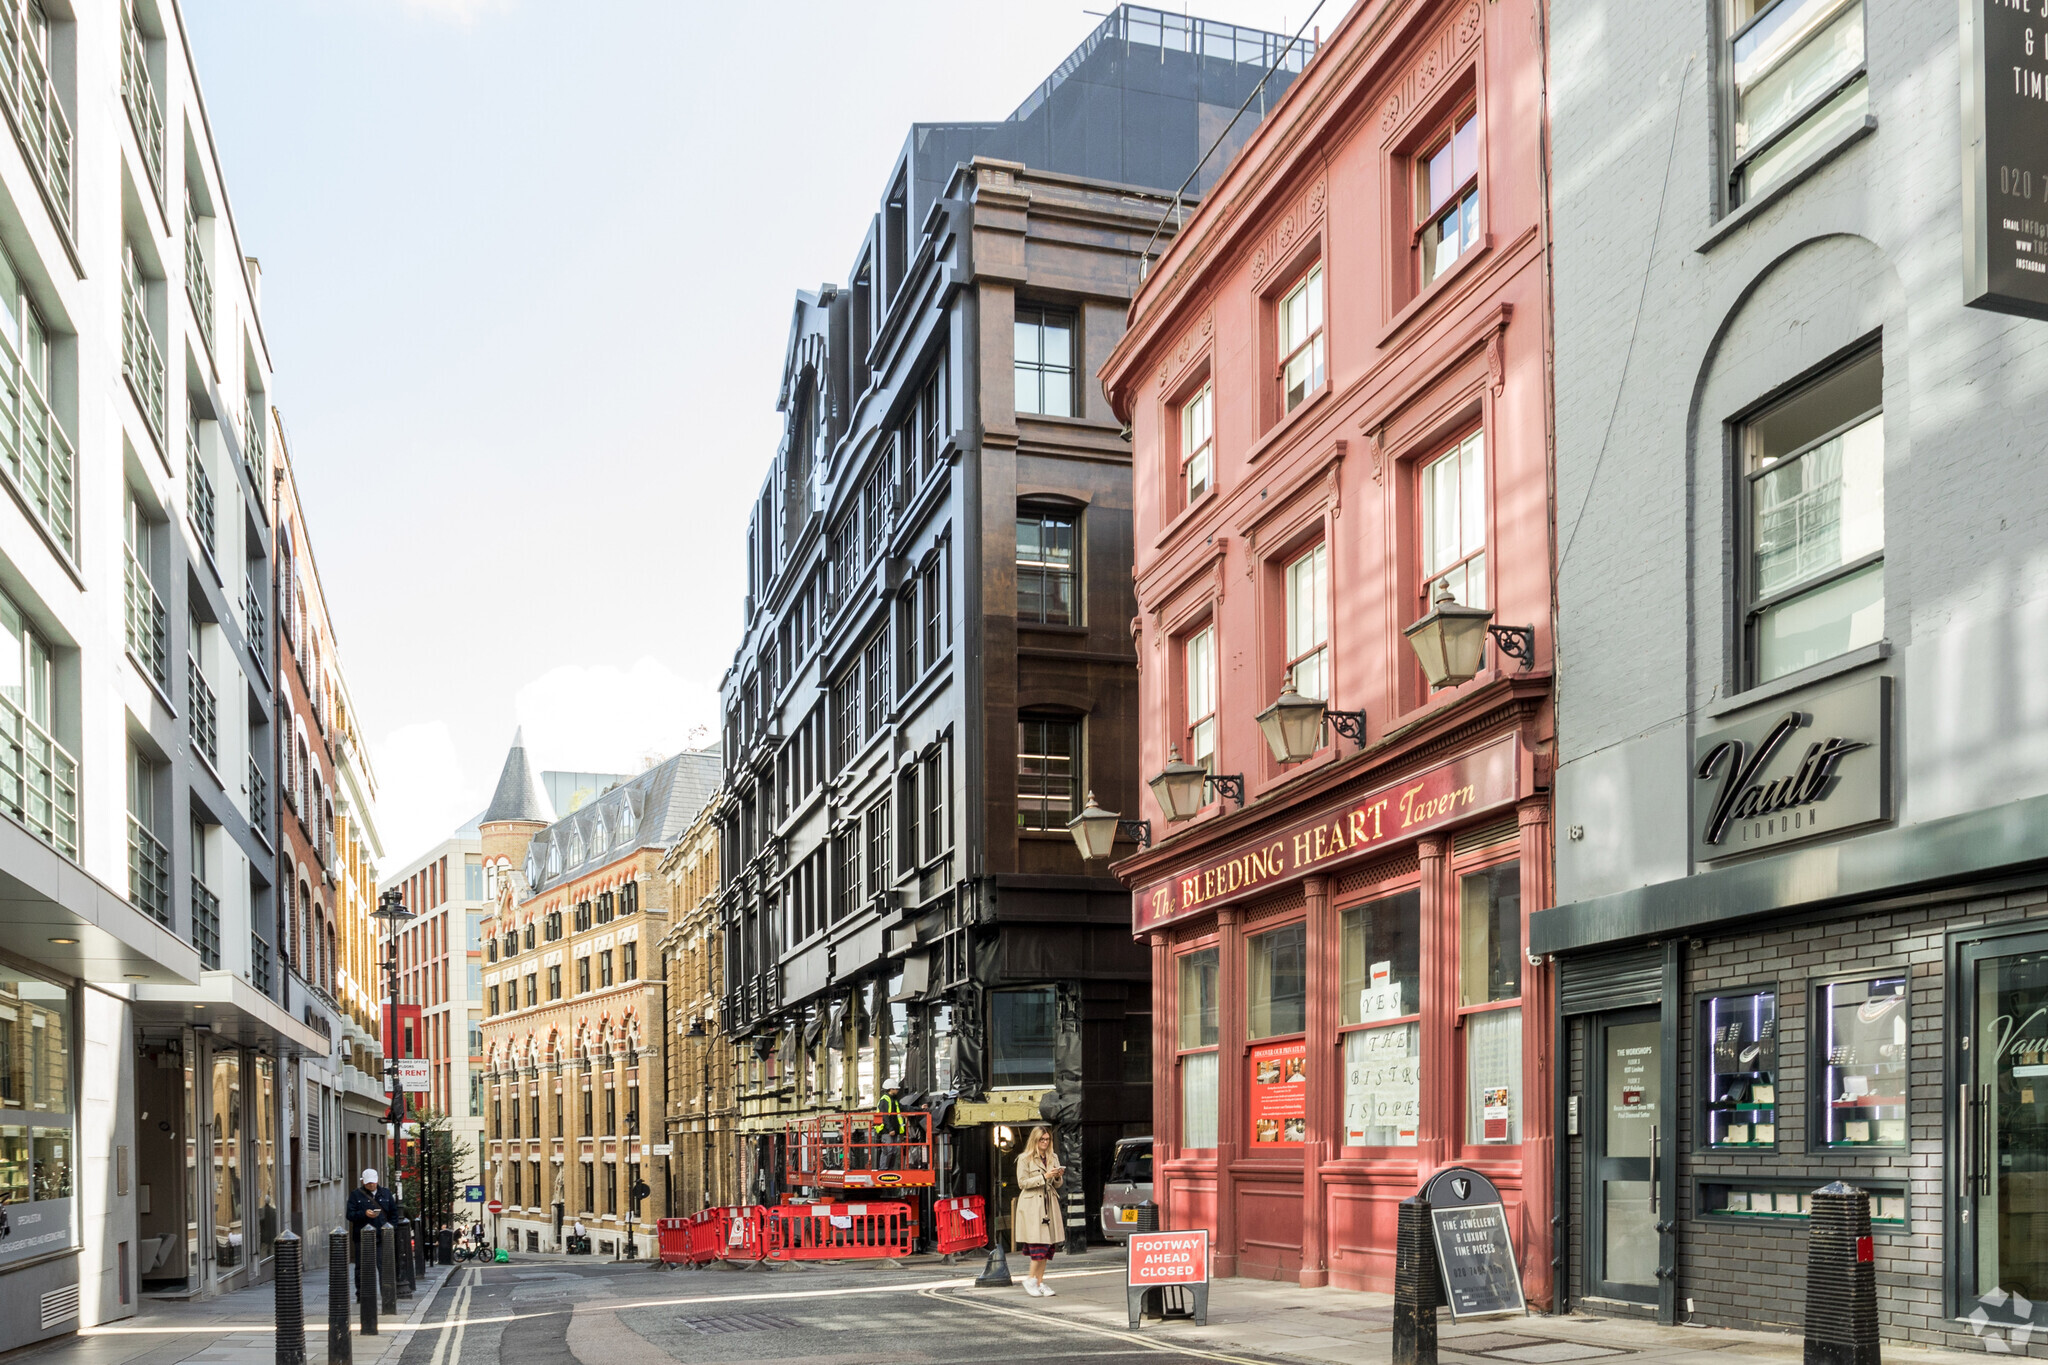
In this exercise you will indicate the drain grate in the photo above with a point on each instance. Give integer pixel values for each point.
(741, 1322)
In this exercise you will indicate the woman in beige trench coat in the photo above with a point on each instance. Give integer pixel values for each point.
(1038, 1223)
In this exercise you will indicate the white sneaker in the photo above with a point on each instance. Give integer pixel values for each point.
(1044, 1290)
(1031, 1287)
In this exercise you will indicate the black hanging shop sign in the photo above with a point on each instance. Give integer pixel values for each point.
(1473, 1250)
(2005, 156)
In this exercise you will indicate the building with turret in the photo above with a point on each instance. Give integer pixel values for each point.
(572, 1001)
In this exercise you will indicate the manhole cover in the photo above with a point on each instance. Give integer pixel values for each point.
(741, 1322)
(1479, 1343)
(1547, 1352)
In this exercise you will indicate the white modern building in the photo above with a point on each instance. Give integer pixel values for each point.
(146, 1017)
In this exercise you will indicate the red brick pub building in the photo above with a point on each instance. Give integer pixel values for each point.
(1335, 386)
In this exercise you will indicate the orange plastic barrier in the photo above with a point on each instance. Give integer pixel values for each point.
(672, 1235)
(838, 1232)
(961, 1224)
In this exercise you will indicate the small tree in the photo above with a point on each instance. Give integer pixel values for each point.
(447, 1169)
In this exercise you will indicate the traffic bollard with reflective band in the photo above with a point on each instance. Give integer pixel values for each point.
(1841, 1279)
(367, 1277)
(1418, 1290)
(401, 1255)
(387, 1268)
(339, 1351)
(289, 1305)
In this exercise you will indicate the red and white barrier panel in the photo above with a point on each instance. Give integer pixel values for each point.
(961, 1224)
(838, 1232)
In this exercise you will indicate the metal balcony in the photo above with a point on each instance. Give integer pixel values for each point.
(198, 280)
(138, 92)
(148, 638)
(30, 99)
(142, 363)
(206, 925)
(199, 495)
(149, 873)
(34, 450)
(259, 799)
(38, 780)
(202, 712)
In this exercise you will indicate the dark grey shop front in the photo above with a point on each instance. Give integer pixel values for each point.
(1872, 1009)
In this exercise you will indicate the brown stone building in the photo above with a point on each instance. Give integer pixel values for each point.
(702, 1165)
(573, 1002)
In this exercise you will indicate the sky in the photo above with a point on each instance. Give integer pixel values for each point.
(527, 271)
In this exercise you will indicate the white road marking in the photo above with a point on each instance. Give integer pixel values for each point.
(1122, 1336)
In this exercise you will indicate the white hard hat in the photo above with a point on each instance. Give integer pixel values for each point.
(370, 1176)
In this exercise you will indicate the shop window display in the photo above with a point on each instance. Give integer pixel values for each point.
(1198, 1042)
(1489, 998)
(1382, 995)
(1861, 1034)
(1740, 1033)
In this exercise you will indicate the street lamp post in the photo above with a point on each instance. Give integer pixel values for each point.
(391, 909)
(634, 1194)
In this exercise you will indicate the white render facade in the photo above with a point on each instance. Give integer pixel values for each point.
(137, 783)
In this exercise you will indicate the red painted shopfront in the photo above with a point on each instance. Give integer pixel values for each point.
(1335, 385)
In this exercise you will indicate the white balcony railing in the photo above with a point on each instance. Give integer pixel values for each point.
(38, 780)
(30, 97)
(149, 872)
(202, 712)
(138, 92)
(34, 451)
(141, 360)
(198, 279)
(148, 638)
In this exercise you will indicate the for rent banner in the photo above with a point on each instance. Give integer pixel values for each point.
(1279, 1094)
(1446, 795)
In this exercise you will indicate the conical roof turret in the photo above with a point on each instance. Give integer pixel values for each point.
(518, 796)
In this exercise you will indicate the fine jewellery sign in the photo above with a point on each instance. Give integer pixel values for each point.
(2005, 156)
(1819, 766)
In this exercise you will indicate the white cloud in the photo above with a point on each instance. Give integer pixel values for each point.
(607, 719)
(423, 795)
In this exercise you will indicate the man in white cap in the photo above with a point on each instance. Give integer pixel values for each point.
(369, 1205)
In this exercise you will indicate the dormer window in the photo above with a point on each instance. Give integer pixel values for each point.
(532, 866)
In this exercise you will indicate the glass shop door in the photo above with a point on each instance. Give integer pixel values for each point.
(2001, 1117)
(1630, 1133)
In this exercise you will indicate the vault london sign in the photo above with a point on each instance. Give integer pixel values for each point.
(1818, 765)
(1485, 778)
(2005, 156)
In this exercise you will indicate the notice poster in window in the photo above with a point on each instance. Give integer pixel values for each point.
(1381, 997)
(1279, 1094)
(1382, 1085)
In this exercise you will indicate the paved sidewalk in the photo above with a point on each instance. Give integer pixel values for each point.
(235, 1329)
(1343, 1327)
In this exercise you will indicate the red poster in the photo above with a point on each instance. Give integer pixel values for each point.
(1279, 1094)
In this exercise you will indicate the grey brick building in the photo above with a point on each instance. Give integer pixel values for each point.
(1801, 790)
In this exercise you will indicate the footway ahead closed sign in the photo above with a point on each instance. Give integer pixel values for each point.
(1168, 1260)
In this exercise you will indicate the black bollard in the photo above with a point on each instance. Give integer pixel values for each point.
(446, 1246)
(366, 1278)
(401, 1233)
(1417, 1288)
(387, 1267)
(289, 1302)
(1841, 1279)
(339, 1351)
(423, 1244)
(996, 1274)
